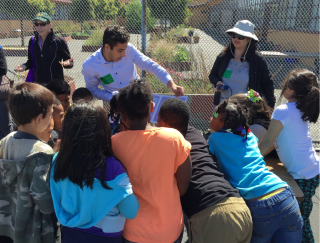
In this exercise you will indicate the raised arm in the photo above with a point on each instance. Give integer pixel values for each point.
(266, 144)
(145, 63)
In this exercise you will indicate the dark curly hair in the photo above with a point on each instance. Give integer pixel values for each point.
(134, 100)
(234, 116)
(176, 113)
(114, 105)
(251, 50)
(257, 110)
(114, 34)
(304, 83)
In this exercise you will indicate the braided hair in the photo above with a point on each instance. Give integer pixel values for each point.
(234, 117)
(304, 83)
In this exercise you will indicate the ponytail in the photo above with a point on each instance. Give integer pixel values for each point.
(304, 83)
(309, 105)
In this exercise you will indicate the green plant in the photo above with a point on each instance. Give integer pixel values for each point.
(105, 10)
(133, 14)
(182, 54)
(86, 27)
(77, 33)
(67, 27)
(95, 38)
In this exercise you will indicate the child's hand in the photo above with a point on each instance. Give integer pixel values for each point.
(220, 83)
(56, 147)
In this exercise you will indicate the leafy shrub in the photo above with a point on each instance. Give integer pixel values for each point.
(86, 27)
(95, 38)
(182, 55)
(77, 33)
(67, 27)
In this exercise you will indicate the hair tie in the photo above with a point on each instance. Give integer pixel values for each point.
(253, 96)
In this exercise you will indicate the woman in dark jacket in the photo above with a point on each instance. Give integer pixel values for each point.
(240, 66)
(48, 52)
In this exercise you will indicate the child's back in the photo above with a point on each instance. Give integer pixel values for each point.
(159, 167)
(152, 158)
(25, 214)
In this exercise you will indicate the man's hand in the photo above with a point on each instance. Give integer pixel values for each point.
(177, 90)
(20, 68)
(67, 62)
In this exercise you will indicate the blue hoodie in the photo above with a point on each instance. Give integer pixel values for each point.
(86, 207)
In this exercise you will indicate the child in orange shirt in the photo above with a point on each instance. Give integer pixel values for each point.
(158, 164)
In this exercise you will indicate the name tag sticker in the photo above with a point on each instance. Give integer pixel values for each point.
(108, 79)
(227, 74)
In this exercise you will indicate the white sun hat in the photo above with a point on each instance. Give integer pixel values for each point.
(244, 28)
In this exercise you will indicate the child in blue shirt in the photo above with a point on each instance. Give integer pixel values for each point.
(274, 208)
(91, 191)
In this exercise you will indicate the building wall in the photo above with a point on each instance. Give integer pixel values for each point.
(201, 13)
(293, 40)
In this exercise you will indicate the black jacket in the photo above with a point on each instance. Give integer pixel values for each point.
(259, 77)
(3, 63)
(48, 68)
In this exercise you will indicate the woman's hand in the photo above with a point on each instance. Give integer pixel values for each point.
(67, 62)
(220, 83)
(20, 68)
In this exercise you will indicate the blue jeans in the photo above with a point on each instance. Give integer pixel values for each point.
(276, 218)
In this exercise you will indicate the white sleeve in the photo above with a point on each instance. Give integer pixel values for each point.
(145, 63)
(281, 113)
(92, 83)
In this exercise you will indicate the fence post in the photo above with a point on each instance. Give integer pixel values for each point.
(144, 30)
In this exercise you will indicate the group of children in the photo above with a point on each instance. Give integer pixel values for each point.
(90, 186)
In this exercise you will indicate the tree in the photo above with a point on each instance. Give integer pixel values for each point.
(26, 10)
(121, 9)
(83, 10)
(176, 11)
(105, 9)
(133, 14)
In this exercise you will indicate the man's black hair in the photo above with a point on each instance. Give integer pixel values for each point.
(81, 93)
(59, 87)
(114, 34)
(175, 113)
(134, 100)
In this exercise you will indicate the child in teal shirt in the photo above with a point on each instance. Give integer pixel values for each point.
(274, 208)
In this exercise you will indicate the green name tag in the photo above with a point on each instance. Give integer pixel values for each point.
(227, 74)
(108, 79)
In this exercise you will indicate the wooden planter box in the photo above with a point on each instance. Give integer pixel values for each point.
(79, 37)
(196, 39)
(15, 51)
(179, 66)
(67, 38)
(3, 35)
(184, 39)
(90, 48)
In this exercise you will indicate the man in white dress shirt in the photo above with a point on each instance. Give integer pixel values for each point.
(112, 66)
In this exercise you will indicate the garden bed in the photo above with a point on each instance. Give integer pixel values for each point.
(15, 51)
(79, 37)
(88, 48)
(183, 39)
(3, 35)
(179, 66)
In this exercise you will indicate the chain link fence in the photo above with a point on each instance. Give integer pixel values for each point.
(184, 36)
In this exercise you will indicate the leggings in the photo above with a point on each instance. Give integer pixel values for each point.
(309, 189)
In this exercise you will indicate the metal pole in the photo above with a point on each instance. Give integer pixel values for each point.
(144, 30)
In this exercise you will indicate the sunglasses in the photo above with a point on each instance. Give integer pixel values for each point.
(240, 37)
(40, 24)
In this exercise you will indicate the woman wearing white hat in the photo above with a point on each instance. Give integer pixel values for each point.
(240, 66)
